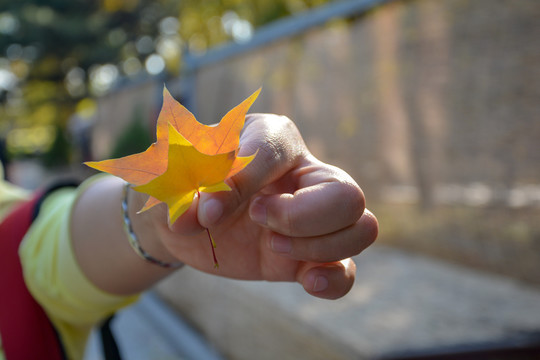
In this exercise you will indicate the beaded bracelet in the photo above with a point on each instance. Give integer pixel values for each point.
(134, 241)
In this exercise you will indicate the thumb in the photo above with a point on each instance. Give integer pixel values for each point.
(278, 147)
(215, 207)
(210, 209)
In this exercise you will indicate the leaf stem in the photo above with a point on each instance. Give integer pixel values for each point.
(213, 246)
(212, 242)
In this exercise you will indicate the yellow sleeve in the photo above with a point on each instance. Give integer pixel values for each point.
(54, 278)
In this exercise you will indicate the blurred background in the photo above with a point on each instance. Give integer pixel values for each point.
(432, 106)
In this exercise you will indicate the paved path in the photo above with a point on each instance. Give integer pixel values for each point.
(149, 330)
(401, 303)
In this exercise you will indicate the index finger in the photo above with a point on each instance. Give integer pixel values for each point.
(326, 204)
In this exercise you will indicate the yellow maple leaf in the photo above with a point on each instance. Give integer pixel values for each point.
(139, 169)
(188, 172)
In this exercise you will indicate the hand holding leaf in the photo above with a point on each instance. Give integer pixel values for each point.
(186, 159)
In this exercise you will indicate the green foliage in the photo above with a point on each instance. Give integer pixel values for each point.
(50, 50)
(203, 21)
(59, 153)
(134, 139)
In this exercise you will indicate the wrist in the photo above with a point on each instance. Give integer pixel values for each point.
(142, 231)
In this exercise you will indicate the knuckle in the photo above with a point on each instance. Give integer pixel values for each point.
(321, 251)
(270, 153)
(371, 226)
(314, 254)
(354, 200)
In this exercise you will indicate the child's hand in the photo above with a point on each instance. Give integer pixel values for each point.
(289, 217)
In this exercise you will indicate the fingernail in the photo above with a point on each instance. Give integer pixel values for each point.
(257, 211)
(281, 244)
(212, 210)
(315, 283)
(321, 283)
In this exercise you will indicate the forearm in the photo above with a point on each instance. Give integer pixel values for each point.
(101, 243)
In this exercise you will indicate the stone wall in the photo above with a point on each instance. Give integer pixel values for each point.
(433, 106)
(419, 93)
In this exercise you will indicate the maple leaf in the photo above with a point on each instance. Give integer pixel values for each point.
(215, 139)
(139, 169)
(188, 172)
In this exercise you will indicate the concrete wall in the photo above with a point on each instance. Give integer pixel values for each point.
(420, 93)
(432, 106)
(117, 110)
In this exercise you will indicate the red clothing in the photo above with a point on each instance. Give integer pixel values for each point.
(26, 330)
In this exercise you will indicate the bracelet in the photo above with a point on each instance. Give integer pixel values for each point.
(134, 241)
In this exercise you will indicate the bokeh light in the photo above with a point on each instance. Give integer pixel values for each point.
(154, 64)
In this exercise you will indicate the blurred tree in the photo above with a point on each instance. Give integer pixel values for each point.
(206, 23)
(134, 139)
(59, 153)
(53, 53)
